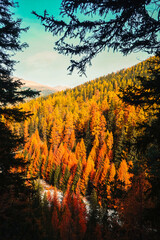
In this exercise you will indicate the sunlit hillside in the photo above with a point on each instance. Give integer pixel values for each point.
(81, 138)
(83, 143)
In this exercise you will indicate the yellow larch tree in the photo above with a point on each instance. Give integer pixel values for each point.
(85, 177)
(56, 133)
(80, 151)
(123, 174)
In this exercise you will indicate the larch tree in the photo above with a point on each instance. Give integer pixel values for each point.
(56, 133)
(101, 156)
(125, 26)
(95, 120)
(102, 132)
(103, 180)
(85, 176)
(80, 151)
(68, 129)
(123, 175)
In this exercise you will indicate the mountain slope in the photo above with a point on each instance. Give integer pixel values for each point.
(45, 90)
(90, 124)
(83, 141)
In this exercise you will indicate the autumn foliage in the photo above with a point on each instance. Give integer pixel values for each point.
(81, 142)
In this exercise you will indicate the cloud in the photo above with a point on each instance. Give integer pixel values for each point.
(42, 59)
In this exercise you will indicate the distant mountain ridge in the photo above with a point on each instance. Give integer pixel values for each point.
(45, 90)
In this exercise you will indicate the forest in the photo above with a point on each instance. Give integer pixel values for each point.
(83, 163)
(83, 142)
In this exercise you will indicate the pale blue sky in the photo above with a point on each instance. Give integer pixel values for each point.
(40, 63)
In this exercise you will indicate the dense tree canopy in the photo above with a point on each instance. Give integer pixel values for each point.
(83, 141)
(89, 27)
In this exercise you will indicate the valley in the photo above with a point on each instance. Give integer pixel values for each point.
(82, 142)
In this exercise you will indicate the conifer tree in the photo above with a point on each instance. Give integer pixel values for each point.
(126, 26)
(80, 151)
(11, 94)
(10, 89)
(119, 150)
(123, 174)
(148, 95)
(56, 133)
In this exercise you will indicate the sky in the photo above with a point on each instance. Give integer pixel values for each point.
(42, 64)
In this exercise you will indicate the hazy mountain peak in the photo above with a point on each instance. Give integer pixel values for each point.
(45, 90)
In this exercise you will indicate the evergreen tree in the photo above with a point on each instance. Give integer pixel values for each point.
(120, 147)
(14, 220)
(10, 89)
(148, 96)
(122, 25)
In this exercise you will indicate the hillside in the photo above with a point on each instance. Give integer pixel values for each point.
(89, 123)
(83, 142)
